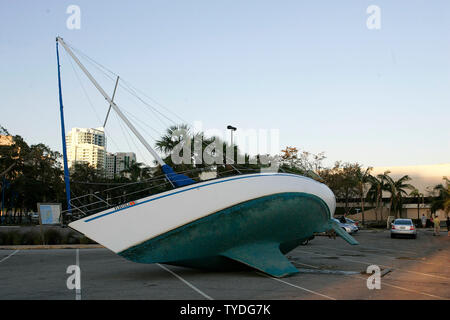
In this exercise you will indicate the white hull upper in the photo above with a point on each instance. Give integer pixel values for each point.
(121, 228)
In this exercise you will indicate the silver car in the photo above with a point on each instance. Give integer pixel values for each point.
(352, 222)
(34, 216)
(347, 227)
(403, 227)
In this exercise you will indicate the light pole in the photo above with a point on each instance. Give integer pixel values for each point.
(231, 128)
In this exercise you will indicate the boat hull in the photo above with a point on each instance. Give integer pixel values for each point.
(252, 219)
(285, 220)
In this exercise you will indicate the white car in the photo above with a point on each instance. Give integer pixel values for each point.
(34, 216)
(403, 227)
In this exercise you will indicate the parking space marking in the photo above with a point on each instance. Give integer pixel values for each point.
(391, 250)
(307, 265)
(295, 286)
(370, 263)
(384, 284)
(382, 255)
(186, 282)
(9, 256)
(78, 291)
(404, 289)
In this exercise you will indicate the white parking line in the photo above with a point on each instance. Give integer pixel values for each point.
(382, 255)
(78, 291)
(9, 256)
(370, 263)
(404, 289)
(385, 284)
(396, 250)
(295, 286)
(186, 282)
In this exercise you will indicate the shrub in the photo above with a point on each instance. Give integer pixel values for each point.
(31, 238)
(72, 238)
(52, 236)
(15, 238)
(86, 240)
(3, 239)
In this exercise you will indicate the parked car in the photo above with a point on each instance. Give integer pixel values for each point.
(403, 227)
(352, 222)
(34, 216)
(347, 227)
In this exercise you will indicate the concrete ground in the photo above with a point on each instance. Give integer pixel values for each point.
(330, 269)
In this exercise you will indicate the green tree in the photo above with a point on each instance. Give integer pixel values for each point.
(442, 200)
(397, 190)
(138, 171)
(34, 175)
(417, 195)
(362, 179)
(375, 193)
(342, 179)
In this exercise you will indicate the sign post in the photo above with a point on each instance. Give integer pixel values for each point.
(49, 214)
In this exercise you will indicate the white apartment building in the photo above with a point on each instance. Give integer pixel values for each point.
(116, 163)
(86, 145)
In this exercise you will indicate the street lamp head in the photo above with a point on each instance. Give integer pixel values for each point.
(231, 128)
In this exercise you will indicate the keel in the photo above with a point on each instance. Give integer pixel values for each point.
(344, 235)
(265, 257)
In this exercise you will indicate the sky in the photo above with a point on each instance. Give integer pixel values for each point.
(311, 69)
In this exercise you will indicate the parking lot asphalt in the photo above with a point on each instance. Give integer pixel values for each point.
(329, 269)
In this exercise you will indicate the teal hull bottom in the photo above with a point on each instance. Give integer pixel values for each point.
(255, 233)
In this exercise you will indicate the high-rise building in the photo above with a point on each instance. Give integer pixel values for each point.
(110, 165)
(116, 163)
(86, 145)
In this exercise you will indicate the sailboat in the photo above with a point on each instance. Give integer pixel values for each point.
(248, 219)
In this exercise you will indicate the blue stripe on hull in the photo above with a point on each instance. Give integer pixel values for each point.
(197, 186)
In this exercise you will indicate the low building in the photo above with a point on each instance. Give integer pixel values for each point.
(409, 210)
(6, 141)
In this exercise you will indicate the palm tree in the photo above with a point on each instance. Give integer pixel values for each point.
(417, 195)
(397, 191)
(375, 193)
(137, 171)
(211, 146)
(171, 139)
(362, 178)
(442, 201)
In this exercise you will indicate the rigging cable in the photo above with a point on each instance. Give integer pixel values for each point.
(109, 137)
(125, 133)
(131, 89)
(127, 86)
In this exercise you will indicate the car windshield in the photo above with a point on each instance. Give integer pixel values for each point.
(403, 222)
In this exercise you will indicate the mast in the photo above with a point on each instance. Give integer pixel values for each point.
(112, 103)
(63, 134)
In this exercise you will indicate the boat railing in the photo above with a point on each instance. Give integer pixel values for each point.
(121, 193)
(82, 208)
